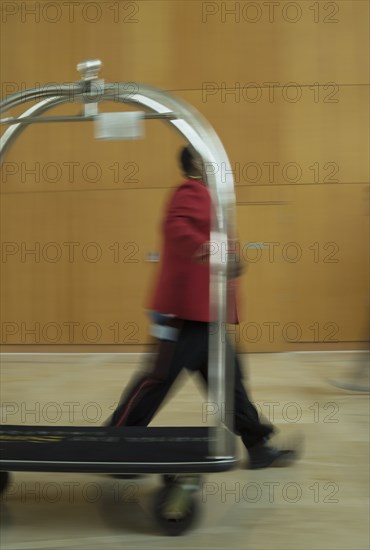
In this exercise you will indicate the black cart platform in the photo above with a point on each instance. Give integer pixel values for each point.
(179, 454)
(109, 450)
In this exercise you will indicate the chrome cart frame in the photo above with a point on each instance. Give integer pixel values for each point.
(90, 91)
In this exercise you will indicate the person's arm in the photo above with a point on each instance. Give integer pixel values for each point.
(188, 220)
(190, 205)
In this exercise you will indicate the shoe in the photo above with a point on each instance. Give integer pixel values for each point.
(263, 456)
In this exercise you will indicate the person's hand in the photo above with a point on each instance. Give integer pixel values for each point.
(235, 265)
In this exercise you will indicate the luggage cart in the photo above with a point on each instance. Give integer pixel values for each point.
(182, 454)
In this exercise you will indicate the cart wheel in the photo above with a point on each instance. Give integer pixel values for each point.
(4, 481)
(175, 509)
(169, 479)
(188, 481)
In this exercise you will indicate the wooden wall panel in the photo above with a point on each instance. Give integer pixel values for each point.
(77, 258)
(66, 157)
(335, 136)
(180, 45)
(309, 281)
(311, 143)
(301, 177)
(300, 155)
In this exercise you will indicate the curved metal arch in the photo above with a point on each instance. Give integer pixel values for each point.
(188, 121)
(203, 138)
(10, 135)
(33, 94)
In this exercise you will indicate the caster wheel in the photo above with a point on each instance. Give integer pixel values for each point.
(175, 510)
(4, 481)
(191, 482)
(169, 479)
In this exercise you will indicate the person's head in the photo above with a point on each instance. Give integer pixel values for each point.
(191, 162)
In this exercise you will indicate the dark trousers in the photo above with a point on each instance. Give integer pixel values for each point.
(146, 393)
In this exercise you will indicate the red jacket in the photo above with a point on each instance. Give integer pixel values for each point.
(183, 285)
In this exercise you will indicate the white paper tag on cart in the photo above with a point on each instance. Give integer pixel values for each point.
(116, 126)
